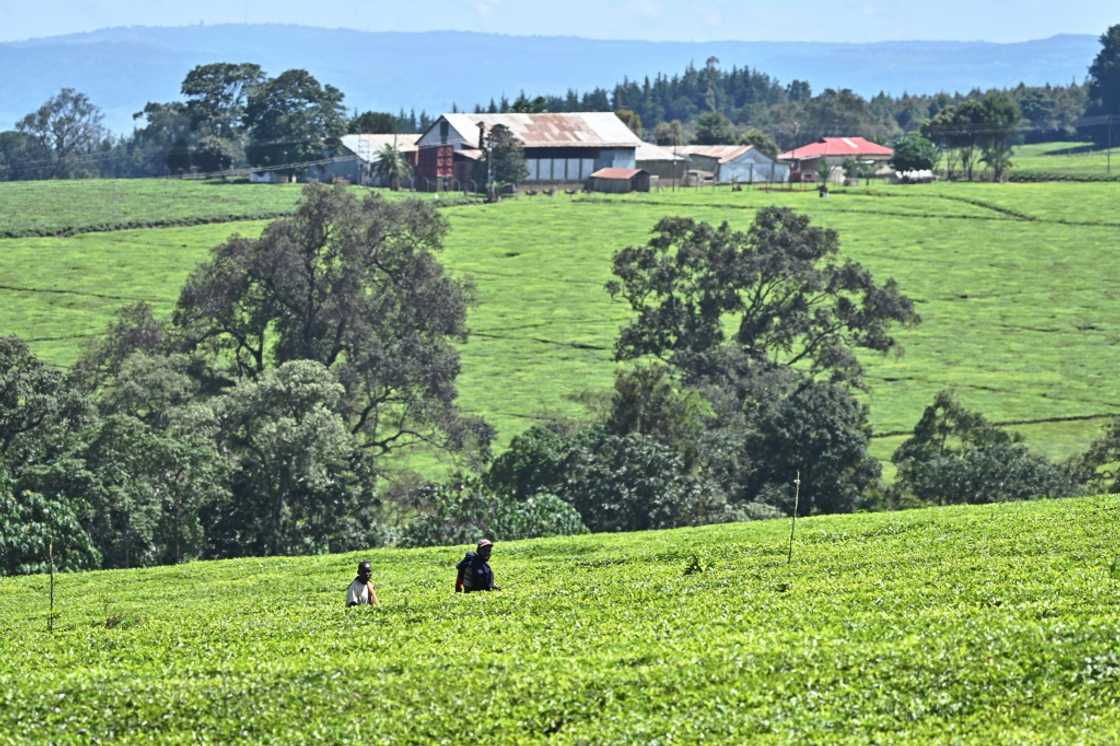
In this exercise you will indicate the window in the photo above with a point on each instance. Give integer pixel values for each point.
(444, 131)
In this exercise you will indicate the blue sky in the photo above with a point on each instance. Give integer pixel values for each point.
(752, 20)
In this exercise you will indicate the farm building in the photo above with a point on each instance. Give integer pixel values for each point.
(661, 162)
(835, 151)
(744, 164)
(620, 180)
(559, 148)
(366, 151)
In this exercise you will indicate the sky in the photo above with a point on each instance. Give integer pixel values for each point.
(680, 20)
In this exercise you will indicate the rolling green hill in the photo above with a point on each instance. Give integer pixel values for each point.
(989, 624)
(1016, 284)
(1066, 160)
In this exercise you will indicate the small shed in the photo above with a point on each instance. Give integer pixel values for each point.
(661, 162)
(620, 180)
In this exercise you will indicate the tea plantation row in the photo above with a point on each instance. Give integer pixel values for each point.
(992, 624)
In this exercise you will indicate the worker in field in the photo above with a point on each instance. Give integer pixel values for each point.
(474, 571)
(361, 592)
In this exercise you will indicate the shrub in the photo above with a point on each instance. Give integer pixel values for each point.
(463, 511)
(957, 456)
(634, 483)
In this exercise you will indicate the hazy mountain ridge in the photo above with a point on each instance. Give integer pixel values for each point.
(122, 68)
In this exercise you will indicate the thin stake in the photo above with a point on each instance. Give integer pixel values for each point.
(50, 559)
(793, 520)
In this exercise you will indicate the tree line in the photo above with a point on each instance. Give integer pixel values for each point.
(230, 115)
(234, 115)
(266, 414)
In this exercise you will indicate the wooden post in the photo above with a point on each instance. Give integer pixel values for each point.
(793, 521)
(50, 560)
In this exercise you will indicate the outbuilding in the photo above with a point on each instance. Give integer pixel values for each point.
(742, 164)
(805, 161)
(620, 180)
(661, 162)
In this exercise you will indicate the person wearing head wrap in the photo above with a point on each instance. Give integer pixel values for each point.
(474, 570)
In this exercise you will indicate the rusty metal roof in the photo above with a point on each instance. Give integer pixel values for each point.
(649, 152)
(367, 147)
(617, 174)
(582, 130)
(721, 153)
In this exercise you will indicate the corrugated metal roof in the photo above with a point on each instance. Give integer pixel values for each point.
(649, 152)
(617, 174)
(367, 147)
(837, 147)
(722, 153)
(582, 130)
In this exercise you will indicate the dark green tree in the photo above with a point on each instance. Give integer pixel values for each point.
(1001, 128)
(780, 289)
(713, 128)
(503, 159)
(915, 153)
(957, 456)
(1104, 85)
(291, 119)
(373, 123)
(299, 483)
(69, 127)
(960, 128)
(634, 483)
(357, 287)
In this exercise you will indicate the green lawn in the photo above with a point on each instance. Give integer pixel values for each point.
(1066, 159)
(977, 625)
(48, 207)
(1017, 285)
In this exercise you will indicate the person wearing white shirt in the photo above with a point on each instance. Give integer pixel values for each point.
(361, 592)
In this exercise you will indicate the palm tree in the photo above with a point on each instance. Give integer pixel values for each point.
(391, 167)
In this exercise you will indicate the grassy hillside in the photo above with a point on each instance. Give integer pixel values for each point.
(47, 208)
(993, 624)
(1065, 160)
(1016, 283)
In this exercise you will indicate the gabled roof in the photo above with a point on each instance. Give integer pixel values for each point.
(367, 147)
(582, 130)
(650, 152)
(617, 174)
(721, 153)
(837, 147)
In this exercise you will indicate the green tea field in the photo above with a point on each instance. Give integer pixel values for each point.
(987, 624)
(1066, 160)
(1017, 286)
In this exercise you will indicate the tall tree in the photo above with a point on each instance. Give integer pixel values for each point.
(1104, 84)
(373, 123)
(780, 288)
(68, 126)
(503, 159)
(1001, 127)
(355, 286)
(218, 94)
(713, 128)
(291, 118)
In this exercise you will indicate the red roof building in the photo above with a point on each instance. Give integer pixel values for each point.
(839, 147)
(804, 162)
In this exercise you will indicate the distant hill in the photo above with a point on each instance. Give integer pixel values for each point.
(122, 68)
